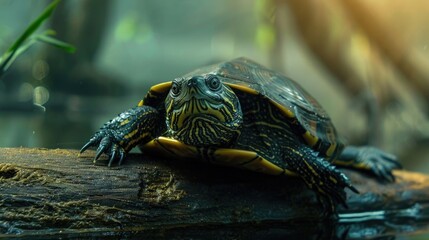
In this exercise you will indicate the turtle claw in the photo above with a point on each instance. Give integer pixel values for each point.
(112, 155)
(121, 156)
(378, 162)
(89, 144)
(351, 187)
(107, 145)
(100, 151)
(371, 159)
(382, 173)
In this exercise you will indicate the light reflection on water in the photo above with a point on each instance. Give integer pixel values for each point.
(409, 223)
(55, 121)
(48, 130)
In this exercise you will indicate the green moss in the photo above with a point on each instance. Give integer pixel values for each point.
(11, 173)
(158, 187)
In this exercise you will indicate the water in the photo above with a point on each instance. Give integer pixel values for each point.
(67, 121)
(409, 223)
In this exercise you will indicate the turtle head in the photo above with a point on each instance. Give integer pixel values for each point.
(203, 111)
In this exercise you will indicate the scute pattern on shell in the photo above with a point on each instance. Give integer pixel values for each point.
(309, 114)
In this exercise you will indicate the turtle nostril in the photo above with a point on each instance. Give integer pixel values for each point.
(192, 82)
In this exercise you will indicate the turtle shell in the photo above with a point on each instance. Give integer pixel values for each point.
(308, 119)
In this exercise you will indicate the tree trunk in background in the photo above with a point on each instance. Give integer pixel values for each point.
(83, 26)
(365, 55)
(410, 63)
(89, 27)
(313, 22)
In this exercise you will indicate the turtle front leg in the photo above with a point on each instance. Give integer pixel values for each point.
(370, 159)
(130, 128)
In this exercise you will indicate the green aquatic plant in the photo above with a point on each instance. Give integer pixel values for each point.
(28, 38)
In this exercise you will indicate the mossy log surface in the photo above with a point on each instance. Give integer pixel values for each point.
(49, 192)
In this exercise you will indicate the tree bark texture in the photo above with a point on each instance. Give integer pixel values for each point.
(56, 193)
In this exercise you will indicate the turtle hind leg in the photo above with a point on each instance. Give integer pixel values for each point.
(370, 159)
(319, 175)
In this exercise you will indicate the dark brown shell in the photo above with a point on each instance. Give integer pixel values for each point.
(317, 128)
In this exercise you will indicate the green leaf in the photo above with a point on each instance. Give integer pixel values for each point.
(26, 40)
(44, 37)
(13, 55)
(55, 42)
(34, 25)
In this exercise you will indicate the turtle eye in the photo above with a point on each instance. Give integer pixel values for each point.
(175, 88)
(213, 83)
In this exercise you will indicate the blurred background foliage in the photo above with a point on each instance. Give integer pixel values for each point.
(365, 61)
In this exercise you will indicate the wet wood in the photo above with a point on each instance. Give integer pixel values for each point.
(49, 192)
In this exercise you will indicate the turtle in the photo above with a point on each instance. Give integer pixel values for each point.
(239, 113)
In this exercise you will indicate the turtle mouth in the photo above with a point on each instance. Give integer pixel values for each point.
(201, 108)
(208, 118)
(204, 130)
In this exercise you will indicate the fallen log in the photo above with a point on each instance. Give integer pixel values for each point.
(56, 193)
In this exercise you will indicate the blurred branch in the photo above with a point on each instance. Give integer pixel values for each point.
(347, 53)
(90, 26)
(312, 22)
(393, 46)
(365, 55)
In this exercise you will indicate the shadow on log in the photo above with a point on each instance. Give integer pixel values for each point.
(52, 193)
